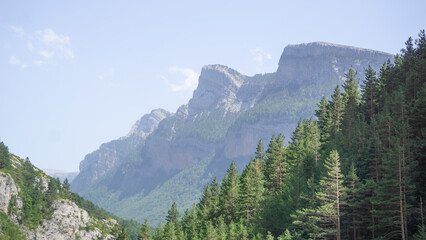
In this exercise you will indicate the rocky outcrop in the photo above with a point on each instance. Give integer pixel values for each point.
(8, 189)
(320, 63)
(217, 88)
(67, 220)
(110, 154)
(70, 222)
(148, 123)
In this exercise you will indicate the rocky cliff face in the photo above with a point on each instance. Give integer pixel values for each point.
(70, 222)
(320, 63)
(110, 154)
(67, 221)
(227, 115)
(8, 189)
(306, 72)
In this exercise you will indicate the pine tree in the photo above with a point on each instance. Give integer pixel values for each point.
(232, 231)
(252, 189)
(260, 152)
(229, 194)
(173, 214)
(210, 231)
(4, 156)
(190, 223)
(330, 197)
(159, 232)
(369, 94)
(170, 231)
(324, 119)
(336, 108)
(221, 229)
(145, 232)
(275, 165)
(66, 184)
(354, 208)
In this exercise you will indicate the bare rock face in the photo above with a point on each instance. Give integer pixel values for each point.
(97, 163)
(321, 62)
(148, 123)
(217, 88)
(310, 71)
(7, 190)
(68, 222)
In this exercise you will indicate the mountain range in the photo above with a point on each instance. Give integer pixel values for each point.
(168, 157)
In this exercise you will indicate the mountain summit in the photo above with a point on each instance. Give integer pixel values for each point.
(139, 177)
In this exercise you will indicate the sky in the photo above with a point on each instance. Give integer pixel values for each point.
(76, 74)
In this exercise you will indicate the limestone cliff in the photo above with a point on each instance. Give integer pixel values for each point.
(110, 154)
(25, 211)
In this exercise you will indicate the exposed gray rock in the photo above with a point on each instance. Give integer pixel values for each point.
(110, 154)
(320, 63)
(7, 190)
(217, 88)
(148, 123)
(68, 222)
(44, 183)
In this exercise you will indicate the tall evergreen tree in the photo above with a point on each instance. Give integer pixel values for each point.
(145, 232)
(330, 197)
(229, 194)
(173, 214)
(275, 164)
(252, 189)
(369, 94)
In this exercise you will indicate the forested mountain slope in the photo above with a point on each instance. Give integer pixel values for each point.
(355, 171)
(227, 115)
(36, 206)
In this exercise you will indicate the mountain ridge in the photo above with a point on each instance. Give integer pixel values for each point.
(228, 113)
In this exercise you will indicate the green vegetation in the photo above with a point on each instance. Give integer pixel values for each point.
(37, 199)
(357, 171)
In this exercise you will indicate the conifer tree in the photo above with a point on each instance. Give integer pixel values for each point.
(145, 232)
(252, 189)
(275, 165)
(210, 231)
(4, 156)
(324, 120)
(330, 197)
(173, 214)
(221, 229)
(260, 153)
(232, 231)
(159, 232)
(369, 94)
(229, 194)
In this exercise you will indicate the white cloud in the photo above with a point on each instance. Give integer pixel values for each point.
(189, 83)
(107, 74)
(45, 43)
(15, 61)
(46, 54)
(259, 56)
(55, 42)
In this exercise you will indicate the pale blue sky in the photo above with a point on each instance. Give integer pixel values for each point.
(76, 74)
